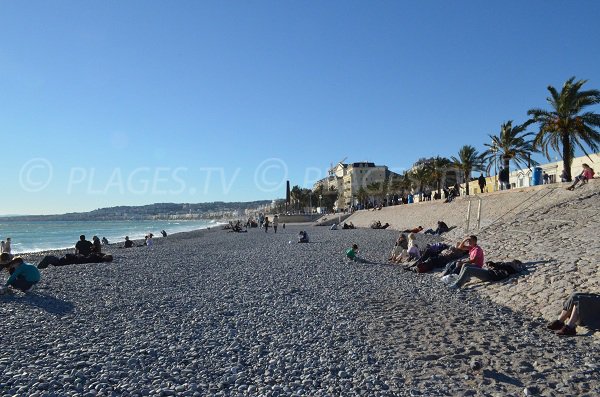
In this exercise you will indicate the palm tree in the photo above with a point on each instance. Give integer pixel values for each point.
(510, 144)
(421, 175)
(438, 167)
(566, 127)
(468, 160)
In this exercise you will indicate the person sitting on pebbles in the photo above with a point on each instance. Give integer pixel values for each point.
(399, 250)
(23, 276)
(586, 174)
(579, 309)
(302, 237)
(352, 254)
(476, 257)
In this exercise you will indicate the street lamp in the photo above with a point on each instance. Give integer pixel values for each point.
(320, 198)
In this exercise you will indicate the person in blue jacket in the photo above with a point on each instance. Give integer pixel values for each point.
(23, 276)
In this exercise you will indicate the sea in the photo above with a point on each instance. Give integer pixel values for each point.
(35, 236)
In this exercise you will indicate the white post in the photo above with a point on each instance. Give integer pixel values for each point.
(479, 215)
(468, 216)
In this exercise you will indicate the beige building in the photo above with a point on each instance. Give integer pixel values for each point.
(348, 179)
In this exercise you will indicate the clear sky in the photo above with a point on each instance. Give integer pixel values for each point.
(107, 103)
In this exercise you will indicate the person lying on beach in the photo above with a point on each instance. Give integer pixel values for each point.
(433, 258)
(586, 174)
(399, 250)
(302, 237)
(476, 257)
(441, 228)
(352, 254)
(70, 259)
(493, 271)
(378, 225)
(579, 309)
(415, 230)
(83, 246)
(348, 225)
(23, 276)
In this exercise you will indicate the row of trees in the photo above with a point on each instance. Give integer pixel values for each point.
(568, 125)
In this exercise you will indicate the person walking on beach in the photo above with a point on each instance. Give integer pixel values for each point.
(481, 182)
(275, 223)
(579, 309)
(23, 276)
(83, 246)
(266, 224)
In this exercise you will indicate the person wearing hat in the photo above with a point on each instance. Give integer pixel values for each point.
(23, 276)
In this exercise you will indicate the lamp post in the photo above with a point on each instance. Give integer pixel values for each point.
(320, 198)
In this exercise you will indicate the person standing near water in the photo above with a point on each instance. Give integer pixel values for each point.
(7, 247)
(275, 223)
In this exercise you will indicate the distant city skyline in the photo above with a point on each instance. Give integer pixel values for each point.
(110, 103)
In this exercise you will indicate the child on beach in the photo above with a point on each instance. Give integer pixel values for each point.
(413, 249)
(23, 276)
(352, 254)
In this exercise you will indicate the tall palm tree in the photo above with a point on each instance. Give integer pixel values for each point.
(421, 175)
(510, 144)
(566, 126)
(468, 160)
(438, 166)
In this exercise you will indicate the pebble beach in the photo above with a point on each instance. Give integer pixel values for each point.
(213, 313)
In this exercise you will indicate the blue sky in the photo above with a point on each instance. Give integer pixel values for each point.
(107, 103)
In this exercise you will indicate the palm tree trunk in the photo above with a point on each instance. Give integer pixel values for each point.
(566, 144)
(467, 180)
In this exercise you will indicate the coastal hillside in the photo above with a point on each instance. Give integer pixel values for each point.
(553, 230)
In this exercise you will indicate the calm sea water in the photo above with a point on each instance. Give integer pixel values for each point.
(44, 235)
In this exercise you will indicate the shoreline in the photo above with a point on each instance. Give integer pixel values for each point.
(242, 313)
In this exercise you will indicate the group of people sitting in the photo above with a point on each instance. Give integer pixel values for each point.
(466, 260)
(378, 225)
(85, 252)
